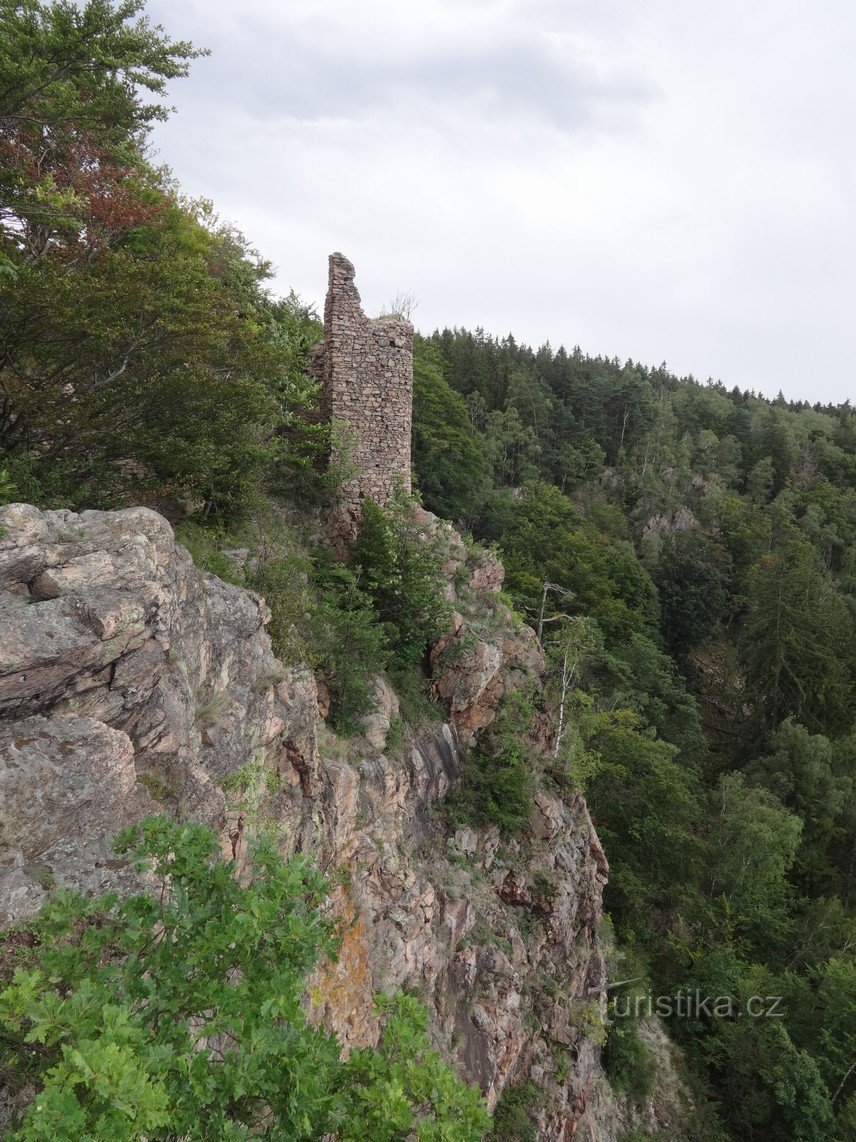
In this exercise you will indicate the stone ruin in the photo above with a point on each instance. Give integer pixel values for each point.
(365, 368)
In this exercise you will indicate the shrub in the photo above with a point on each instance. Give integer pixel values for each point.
(346, 643)
(400, 572)
(179, 1014)
(511, 1121)
(209, 711)
(627, 1061)
(495, 789)
(496, 784)
(205, 545)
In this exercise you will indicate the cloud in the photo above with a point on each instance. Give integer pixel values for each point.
(655, 181)
(357, 61)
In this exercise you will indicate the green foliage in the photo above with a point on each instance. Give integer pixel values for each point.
(141, 353)
(645, 805)
(349, 624)
(603, 577)
(639, 676)
(802, 771)
(347, 643)
(85, 67)
(205, 545)
(769, 1086)
(754, 841)
(155, 367)
(315, 461)
(690, 581)
(395, 735)
(627, 1061)
(209, 711)
(447, 454)
(400, 572)
(797, 642)
(511, 1121)
(387, 1089)
(7, 487)
(495, 789)
(496, 782)
(179, 1014)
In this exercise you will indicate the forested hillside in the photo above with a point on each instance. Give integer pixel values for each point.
(692, 550)
(686, 552)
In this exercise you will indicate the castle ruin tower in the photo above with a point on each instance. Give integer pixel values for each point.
(366, 371)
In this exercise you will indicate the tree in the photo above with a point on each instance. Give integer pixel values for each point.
(448, 453)
(834, 1026)
(645, 806)
(139, 348)
(771, 1089)
(400, 572)
(568, 651)
(796, 642)
(690, 575)
(511, 447)
(801, 772)
(178, 1013)
(754, 842)
(602, 576)
(72, 120)
(160, 351)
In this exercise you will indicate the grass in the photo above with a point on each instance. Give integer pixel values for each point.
(209, 711)
(269, 679)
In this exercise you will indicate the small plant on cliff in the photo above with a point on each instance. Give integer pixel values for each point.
(179, 1014)
(400, 571)
(496, 784)
(627, 1060)
(511, 1121)
(7, 487)
(208, 712)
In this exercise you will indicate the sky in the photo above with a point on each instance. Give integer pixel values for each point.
(668, 181)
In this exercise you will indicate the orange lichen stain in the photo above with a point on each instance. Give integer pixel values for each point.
(340, 993)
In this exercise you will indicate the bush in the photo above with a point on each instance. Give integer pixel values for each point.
(511, 1121)
(496, 782)
(627, 1061)
(400, 572)
(346, 643)
(179, 1015)
(495, 789)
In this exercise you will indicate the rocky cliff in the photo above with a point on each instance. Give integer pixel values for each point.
(131, 681)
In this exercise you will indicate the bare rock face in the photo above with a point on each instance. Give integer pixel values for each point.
(487, 654)
(115, 643)
(667, 523)
(474, 674)
(130, 681)
(67, 784)
(377, 723)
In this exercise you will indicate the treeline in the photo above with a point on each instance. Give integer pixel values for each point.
(694, 548)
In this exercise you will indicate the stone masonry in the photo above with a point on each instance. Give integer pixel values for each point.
(366, 371)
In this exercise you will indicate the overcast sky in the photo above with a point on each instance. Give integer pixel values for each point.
(667, 180)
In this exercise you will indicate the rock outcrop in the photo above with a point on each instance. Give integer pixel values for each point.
(131, 681)
(488, 653)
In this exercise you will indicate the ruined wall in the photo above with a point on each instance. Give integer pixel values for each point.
(366, 370)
